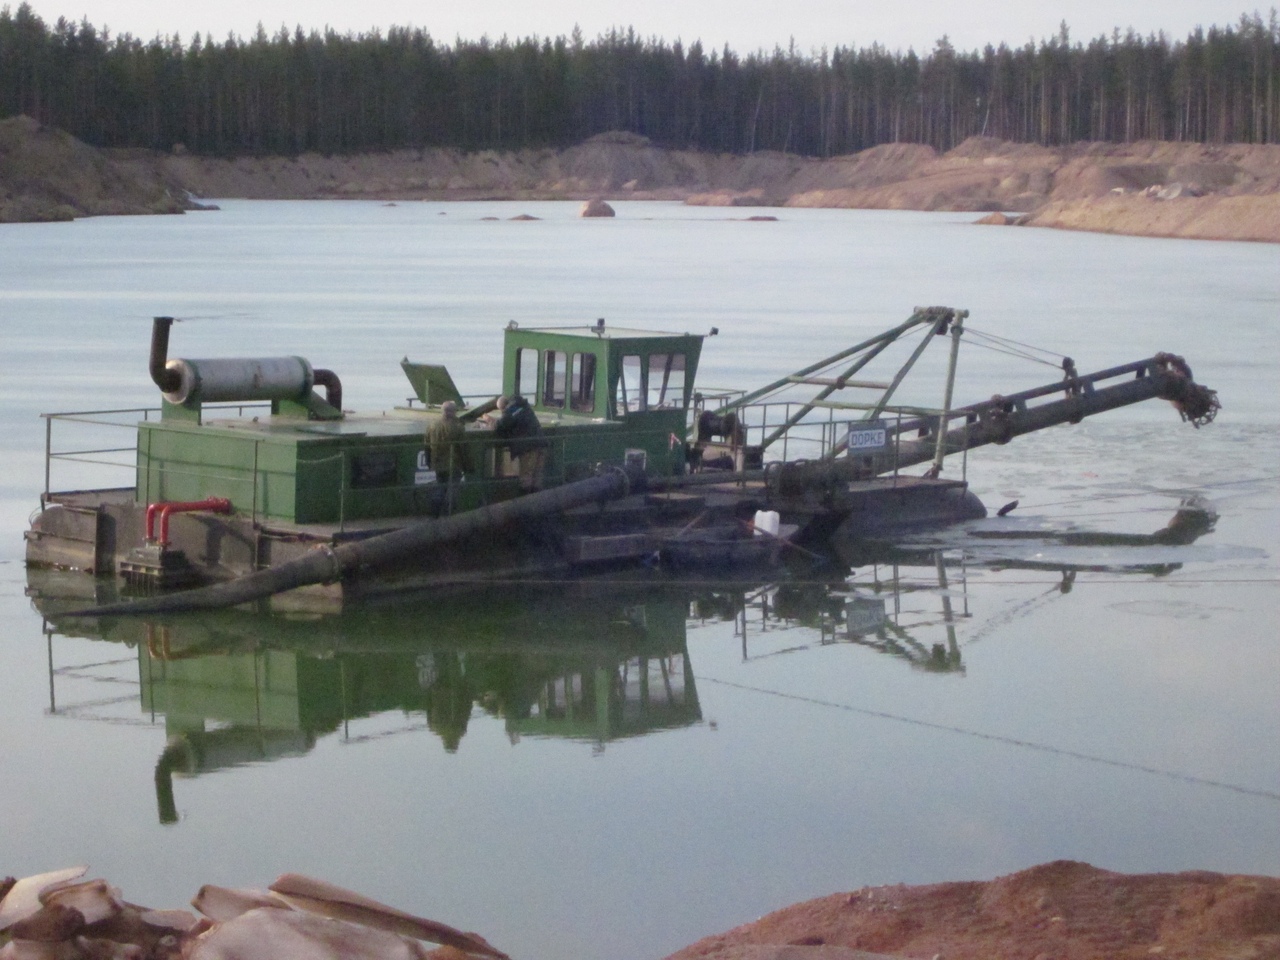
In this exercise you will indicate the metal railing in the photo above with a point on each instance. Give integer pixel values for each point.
(823, 430)
(97, 418)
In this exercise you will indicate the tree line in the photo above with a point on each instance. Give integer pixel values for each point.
(342, 93)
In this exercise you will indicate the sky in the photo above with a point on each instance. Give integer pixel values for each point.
(745, 25)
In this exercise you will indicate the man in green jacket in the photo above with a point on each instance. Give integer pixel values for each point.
(450, 454)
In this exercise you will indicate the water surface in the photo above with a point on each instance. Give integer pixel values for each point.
(614, 771)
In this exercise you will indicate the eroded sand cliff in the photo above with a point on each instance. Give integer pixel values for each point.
(1147, 188)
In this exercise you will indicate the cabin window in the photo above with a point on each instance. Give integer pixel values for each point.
(583, 383)
(523, 356)
(555, 373)
(666, 380)
(630, 388)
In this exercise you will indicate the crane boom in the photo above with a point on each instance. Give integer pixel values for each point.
(1000, 419)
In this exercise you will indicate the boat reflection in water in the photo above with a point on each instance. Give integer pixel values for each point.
(583, 661)
(594, 660)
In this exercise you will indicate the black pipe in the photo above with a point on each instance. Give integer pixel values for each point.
(167, 380)
(327, 564)
(332, 387)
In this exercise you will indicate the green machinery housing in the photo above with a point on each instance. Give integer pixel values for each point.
(603, 396)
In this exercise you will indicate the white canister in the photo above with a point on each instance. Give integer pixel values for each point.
(766, 522)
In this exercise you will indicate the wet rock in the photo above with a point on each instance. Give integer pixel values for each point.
(223, 903)
(270, 934)
(51, 924)
(40, 950)
(179, 921)
(326, 899)
(23, 898)
(94, 899)
(111, 950)
(595, 207)
(48, 917)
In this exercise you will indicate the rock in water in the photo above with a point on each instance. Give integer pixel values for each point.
(596, 207)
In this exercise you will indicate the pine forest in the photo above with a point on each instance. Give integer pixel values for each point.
(332, 93)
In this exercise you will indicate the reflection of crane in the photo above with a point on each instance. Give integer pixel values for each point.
(1025, 608)
(892, 637)
(841, 614)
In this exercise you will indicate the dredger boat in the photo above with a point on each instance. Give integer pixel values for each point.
(253, 482)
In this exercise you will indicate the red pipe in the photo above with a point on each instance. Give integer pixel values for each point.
(164, 509)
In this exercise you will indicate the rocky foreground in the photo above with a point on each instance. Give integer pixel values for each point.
(1193, 190)
(1061, 910)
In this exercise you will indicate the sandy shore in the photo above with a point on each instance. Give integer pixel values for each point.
(1194, 218)
(1226, 192)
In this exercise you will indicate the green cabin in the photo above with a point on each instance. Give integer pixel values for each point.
(602, 395)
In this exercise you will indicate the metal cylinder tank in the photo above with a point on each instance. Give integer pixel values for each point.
(234, 379)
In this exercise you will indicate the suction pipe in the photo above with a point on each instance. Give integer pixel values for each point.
(327, 563)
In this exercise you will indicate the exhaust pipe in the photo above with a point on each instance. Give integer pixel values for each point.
(332, 387)
(285, 377)
(167, 380)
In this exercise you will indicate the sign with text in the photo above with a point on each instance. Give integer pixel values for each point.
(867, 436)
(864, 615)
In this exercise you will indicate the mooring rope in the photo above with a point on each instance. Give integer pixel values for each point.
(1000, 738)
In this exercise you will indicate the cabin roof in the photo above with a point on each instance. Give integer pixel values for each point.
(605, 333)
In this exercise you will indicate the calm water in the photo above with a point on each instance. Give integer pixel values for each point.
(1051, 685)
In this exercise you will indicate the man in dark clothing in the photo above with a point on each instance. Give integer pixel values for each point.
(518, 424)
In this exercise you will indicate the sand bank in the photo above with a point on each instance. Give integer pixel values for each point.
(1148, 188)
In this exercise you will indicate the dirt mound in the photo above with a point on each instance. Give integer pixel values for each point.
(49, 175)
(1064, 910)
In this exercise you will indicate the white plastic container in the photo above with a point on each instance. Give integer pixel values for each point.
(766, 522)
